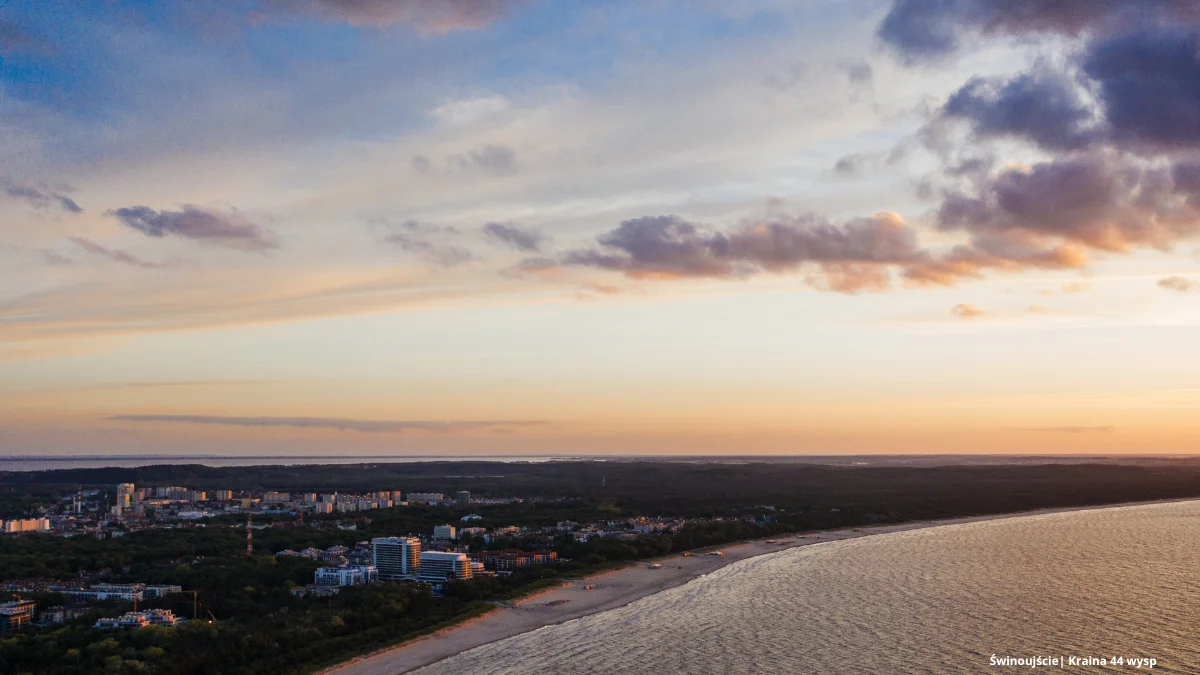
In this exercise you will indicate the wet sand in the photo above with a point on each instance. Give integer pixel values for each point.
(610, 590)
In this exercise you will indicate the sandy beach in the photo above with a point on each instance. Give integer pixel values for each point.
(578, 598)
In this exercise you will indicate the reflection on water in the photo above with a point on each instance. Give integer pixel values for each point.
(1119, 581)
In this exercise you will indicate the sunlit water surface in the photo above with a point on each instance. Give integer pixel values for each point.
(1100, 583)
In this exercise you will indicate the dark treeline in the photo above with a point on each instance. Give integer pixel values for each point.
(693, 489)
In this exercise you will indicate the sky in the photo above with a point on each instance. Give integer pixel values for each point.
(460, 227)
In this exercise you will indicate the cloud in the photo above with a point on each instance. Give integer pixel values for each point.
(966, 311)
(1100, 201)
(521, 239)
(859, 72)
(1148, 84)
(1041, 106)
(421, 164)
(671, 247)
(38, 198)
(416, 238)
(927, 30)
(496, 159)
(230, 229)
(1099, 97)
(341, 424)
(1076, 287)
(1179, 284)
(431, 16)
(1070, 430)
(851, 164)
(15, 38)
(115, 256)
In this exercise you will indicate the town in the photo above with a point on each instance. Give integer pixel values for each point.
(447, 553)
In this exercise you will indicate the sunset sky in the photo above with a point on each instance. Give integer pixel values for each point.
(553, 227)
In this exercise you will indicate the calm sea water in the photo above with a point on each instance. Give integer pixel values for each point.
(1102, 583)
(97, 462)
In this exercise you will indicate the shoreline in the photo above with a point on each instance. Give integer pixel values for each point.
(619, 587)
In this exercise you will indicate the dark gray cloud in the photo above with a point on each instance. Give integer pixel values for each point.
(519, 238)
(1148, 84)
(230, 229)
(341, 424)
(1102, 201)
(114, 255)
(436, 16)
(925, 30)
(848, 257)
(420, 239)
(1041, 106)
(40, 198)
(497, 159)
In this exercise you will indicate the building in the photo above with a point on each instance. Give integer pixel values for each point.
(125, 495)
(426, 497)
(26, 525)
(507, 561)
(149, 617)
(223, 495)
(345, 575)
(16, 615)
(444, 532)
(323, 507)
(396, 557)
(462, 499)
(438, 567)
(276, 497)
(197, 496)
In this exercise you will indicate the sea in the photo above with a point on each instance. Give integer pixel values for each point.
(50, 463)
(1101, 590)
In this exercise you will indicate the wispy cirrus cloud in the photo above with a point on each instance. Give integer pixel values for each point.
(341, 424)
(422, 240)
(432, 16)
(1070, 430)
(39, 197)
(519, 238)
(122, 257)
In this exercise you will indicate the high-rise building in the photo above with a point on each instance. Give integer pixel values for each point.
(444, 532)
(426, 497)
(222, 495)
(396, 557)
(462, 499)
(125, 493)
(276, 497)
(438, 567)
